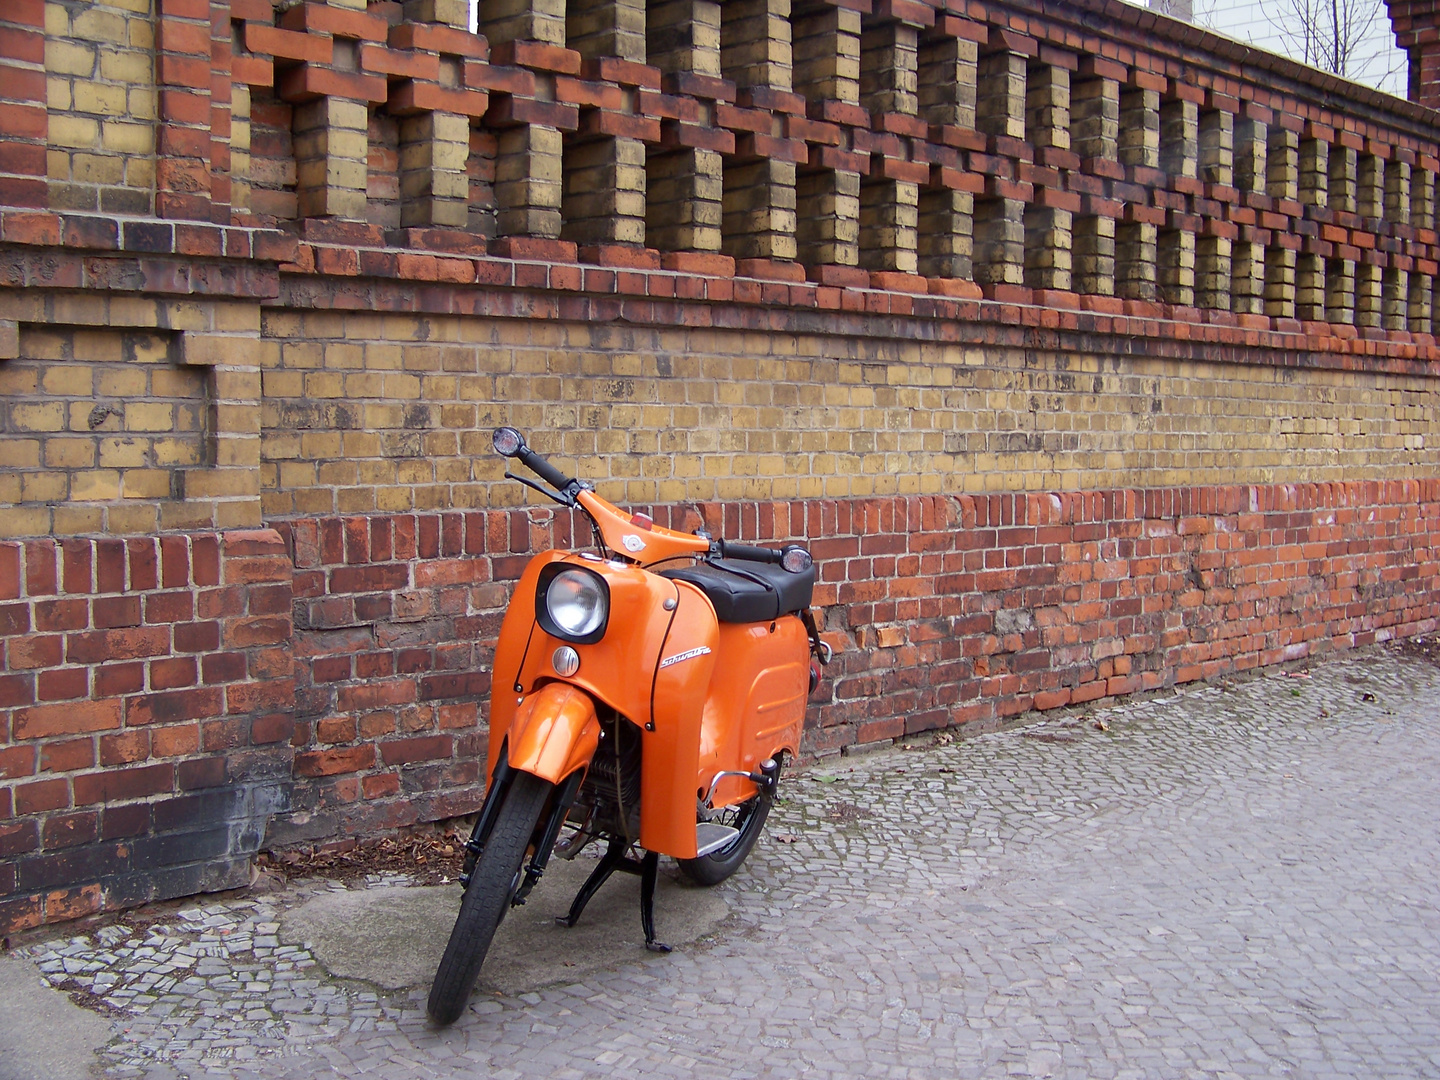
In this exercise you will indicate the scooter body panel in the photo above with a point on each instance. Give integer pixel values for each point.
(708, 697)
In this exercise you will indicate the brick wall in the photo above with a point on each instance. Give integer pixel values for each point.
(147, 702)
(1090, 352)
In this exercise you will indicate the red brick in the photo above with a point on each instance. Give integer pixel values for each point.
(425, 748)
(40, 573)
(9, 572)
(67, 830)
(174, 740)
(77, 557)
(67, 756)
(334, 762)
(39, 796)
(125, 748)
(73, 903)
(16, 690)
(113, 680)
(175, 562)
(114, 785)
(53, 615)
(169, 607)
(62, 684)
(175, 705)
(72, 718)
(99, 646)
(277, 727)
(16, 761)
(111, 612)
(173, 673)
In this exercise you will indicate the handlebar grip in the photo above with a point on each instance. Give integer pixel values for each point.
(730, 550)
(543, 469)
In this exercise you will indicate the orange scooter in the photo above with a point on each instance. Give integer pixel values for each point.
(644, 694)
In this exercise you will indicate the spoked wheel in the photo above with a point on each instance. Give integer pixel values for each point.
(749, 817)
(492, 884)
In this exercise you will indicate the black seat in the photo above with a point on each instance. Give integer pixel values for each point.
(744, 591)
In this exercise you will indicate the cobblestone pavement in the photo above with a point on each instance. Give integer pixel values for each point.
(1229, 881)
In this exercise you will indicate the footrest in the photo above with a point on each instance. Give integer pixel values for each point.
(711, 837)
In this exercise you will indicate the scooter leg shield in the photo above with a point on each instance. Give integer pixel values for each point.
(555, 732)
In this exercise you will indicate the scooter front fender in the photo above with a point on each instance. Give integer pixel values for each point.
(555, 732)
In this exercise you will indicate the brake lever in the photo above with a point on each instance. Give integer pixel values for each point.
(556, 496)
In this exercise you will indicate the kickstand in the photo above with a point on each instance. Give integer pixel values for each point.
(613, 860)
(649, 868)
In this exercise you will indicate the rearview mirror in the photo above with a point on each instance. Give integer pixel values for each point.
(508, 442)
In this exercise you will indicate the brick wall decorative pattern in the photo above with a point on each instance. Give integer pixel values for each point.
(1090, 352)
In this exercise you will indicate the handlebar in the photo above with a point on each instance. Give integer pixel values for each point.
(728, 549)
(542, 468)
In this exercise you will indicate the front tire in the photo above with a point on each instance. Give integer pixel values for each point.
(487, 897)
(717, 866)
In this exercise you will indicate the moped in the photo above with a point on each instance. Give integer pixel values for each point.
(645, 694)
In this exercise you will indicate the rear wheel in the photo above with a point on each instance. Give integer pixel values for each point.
(749, 817)
(487, 897)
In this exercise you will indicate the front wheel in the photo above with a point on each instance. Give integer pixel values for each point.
(487, 897)
(749, 817)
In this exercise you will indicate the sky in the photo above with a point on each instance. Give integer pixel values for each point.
(1378, 62)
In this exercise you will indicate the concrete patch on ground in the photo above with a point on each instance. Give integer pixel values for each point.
(394, 936)
(42, 1033)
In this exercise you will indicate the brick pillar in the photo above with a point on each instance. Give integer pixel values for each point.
(1418, 311)
(1216, 149)
(1176, 259)
(331, 119)
(1422, 193)
(889, 207)
(529, 152)
(1369, 295)
(521, 20)
(1282, 159)
(24, 123)
(1000, 84)
(1340, 291)
(1280, 280)
(759, 219)
(1310, 286)
(1342, 166)
(1370, 185)
(1398, 186)
(436, 116)
(1094, 255)
(605, 173)
(1136, 243)
(1180, 136)
(1213, 266)
(1247, 275)
(1139, 139)
(1095, 109)
(684, 176)
(240, 148)
(1250, 145)
(183, 68)
(946, 72)
(827, 69)
(1394, 298)
(999, 241)
(1048, 242)
(1315, 171)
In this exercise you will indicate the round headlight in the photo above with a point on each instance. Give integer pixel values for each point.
(577, 604)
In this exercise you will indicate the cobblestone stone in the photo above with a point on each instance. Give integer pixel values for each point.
(1231, 881)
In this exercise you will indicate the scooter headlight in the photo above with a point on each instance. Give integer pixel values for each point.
(573, 604)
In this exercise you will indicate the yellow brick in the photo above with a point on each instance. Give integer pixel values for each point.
(19, 453)
(129, 519)
(58, 95)
(171, 451)
(120, 383)
(44, 416)
(106, 99)
(79, 132)
(145, 483)
(149, 416)
(25, 521)
(68, 58)
(125, 67)
(70, 453)
(126, 138)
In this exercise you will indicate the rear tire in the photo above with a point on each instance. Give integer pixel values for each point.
(487, 897)
(716, 867)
